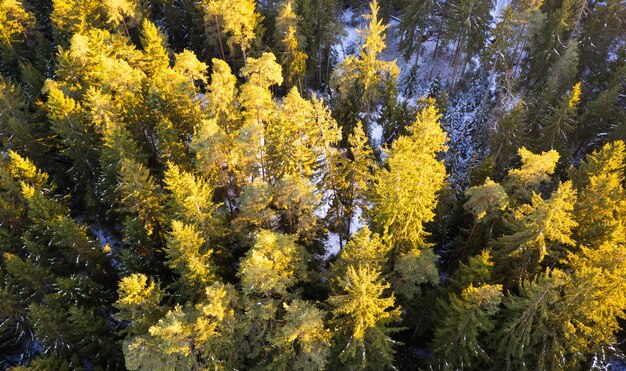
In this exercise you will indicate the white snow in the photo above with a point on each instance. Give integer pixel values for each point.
(332, 245)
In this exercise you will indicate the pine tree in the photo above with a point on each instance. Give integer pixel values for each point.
(362, 313)
(464, 320)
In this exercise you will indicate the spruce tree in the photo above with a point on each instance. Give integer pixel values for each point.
(558, 126)
(303, 342)
(404, 197)
(273, 265)
(464, 321)
(291, 41)
(601, 200)
(237, 19)
(538, 231)
(535, 170)
(362, 313)
(361, 80)
(467, 21)
(530, 332)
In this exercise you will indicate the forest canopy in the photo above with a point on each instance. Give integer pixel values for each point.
(312, 184)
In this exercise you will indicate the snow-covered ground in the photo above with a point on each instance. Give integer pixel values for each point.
(467, 113)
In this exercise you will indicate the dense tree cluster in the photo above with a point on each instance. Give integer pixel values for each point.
(206, 185)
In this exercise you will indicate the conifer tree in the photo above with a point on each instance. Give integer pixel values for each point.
(215, 141)
(155, 55)
(477, 272)
(363, 313)
(63, 275)
(141, 197)
(361, 80)
(139, 302)
(128, 13)
(404, 198)
(500, 52)
(70, 17)
(189, 257)
(273, 265)
(487, 204)
(548, 35)
(189, 337)
(486, 201)
(530, 332)
(601, 199)
(594, 300)
(296, 201)
(17, 26)
(259, 109)
(535, 170)
(464, 321)
(415, 26)
(467, 21)
(20, 129)
(555, 132)
(238, 19)
(510, 135)
(539, 231)
(363, 248)
(303, 342)
(405, 191)
(348, 179)
(191, 201)
(291, 41)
